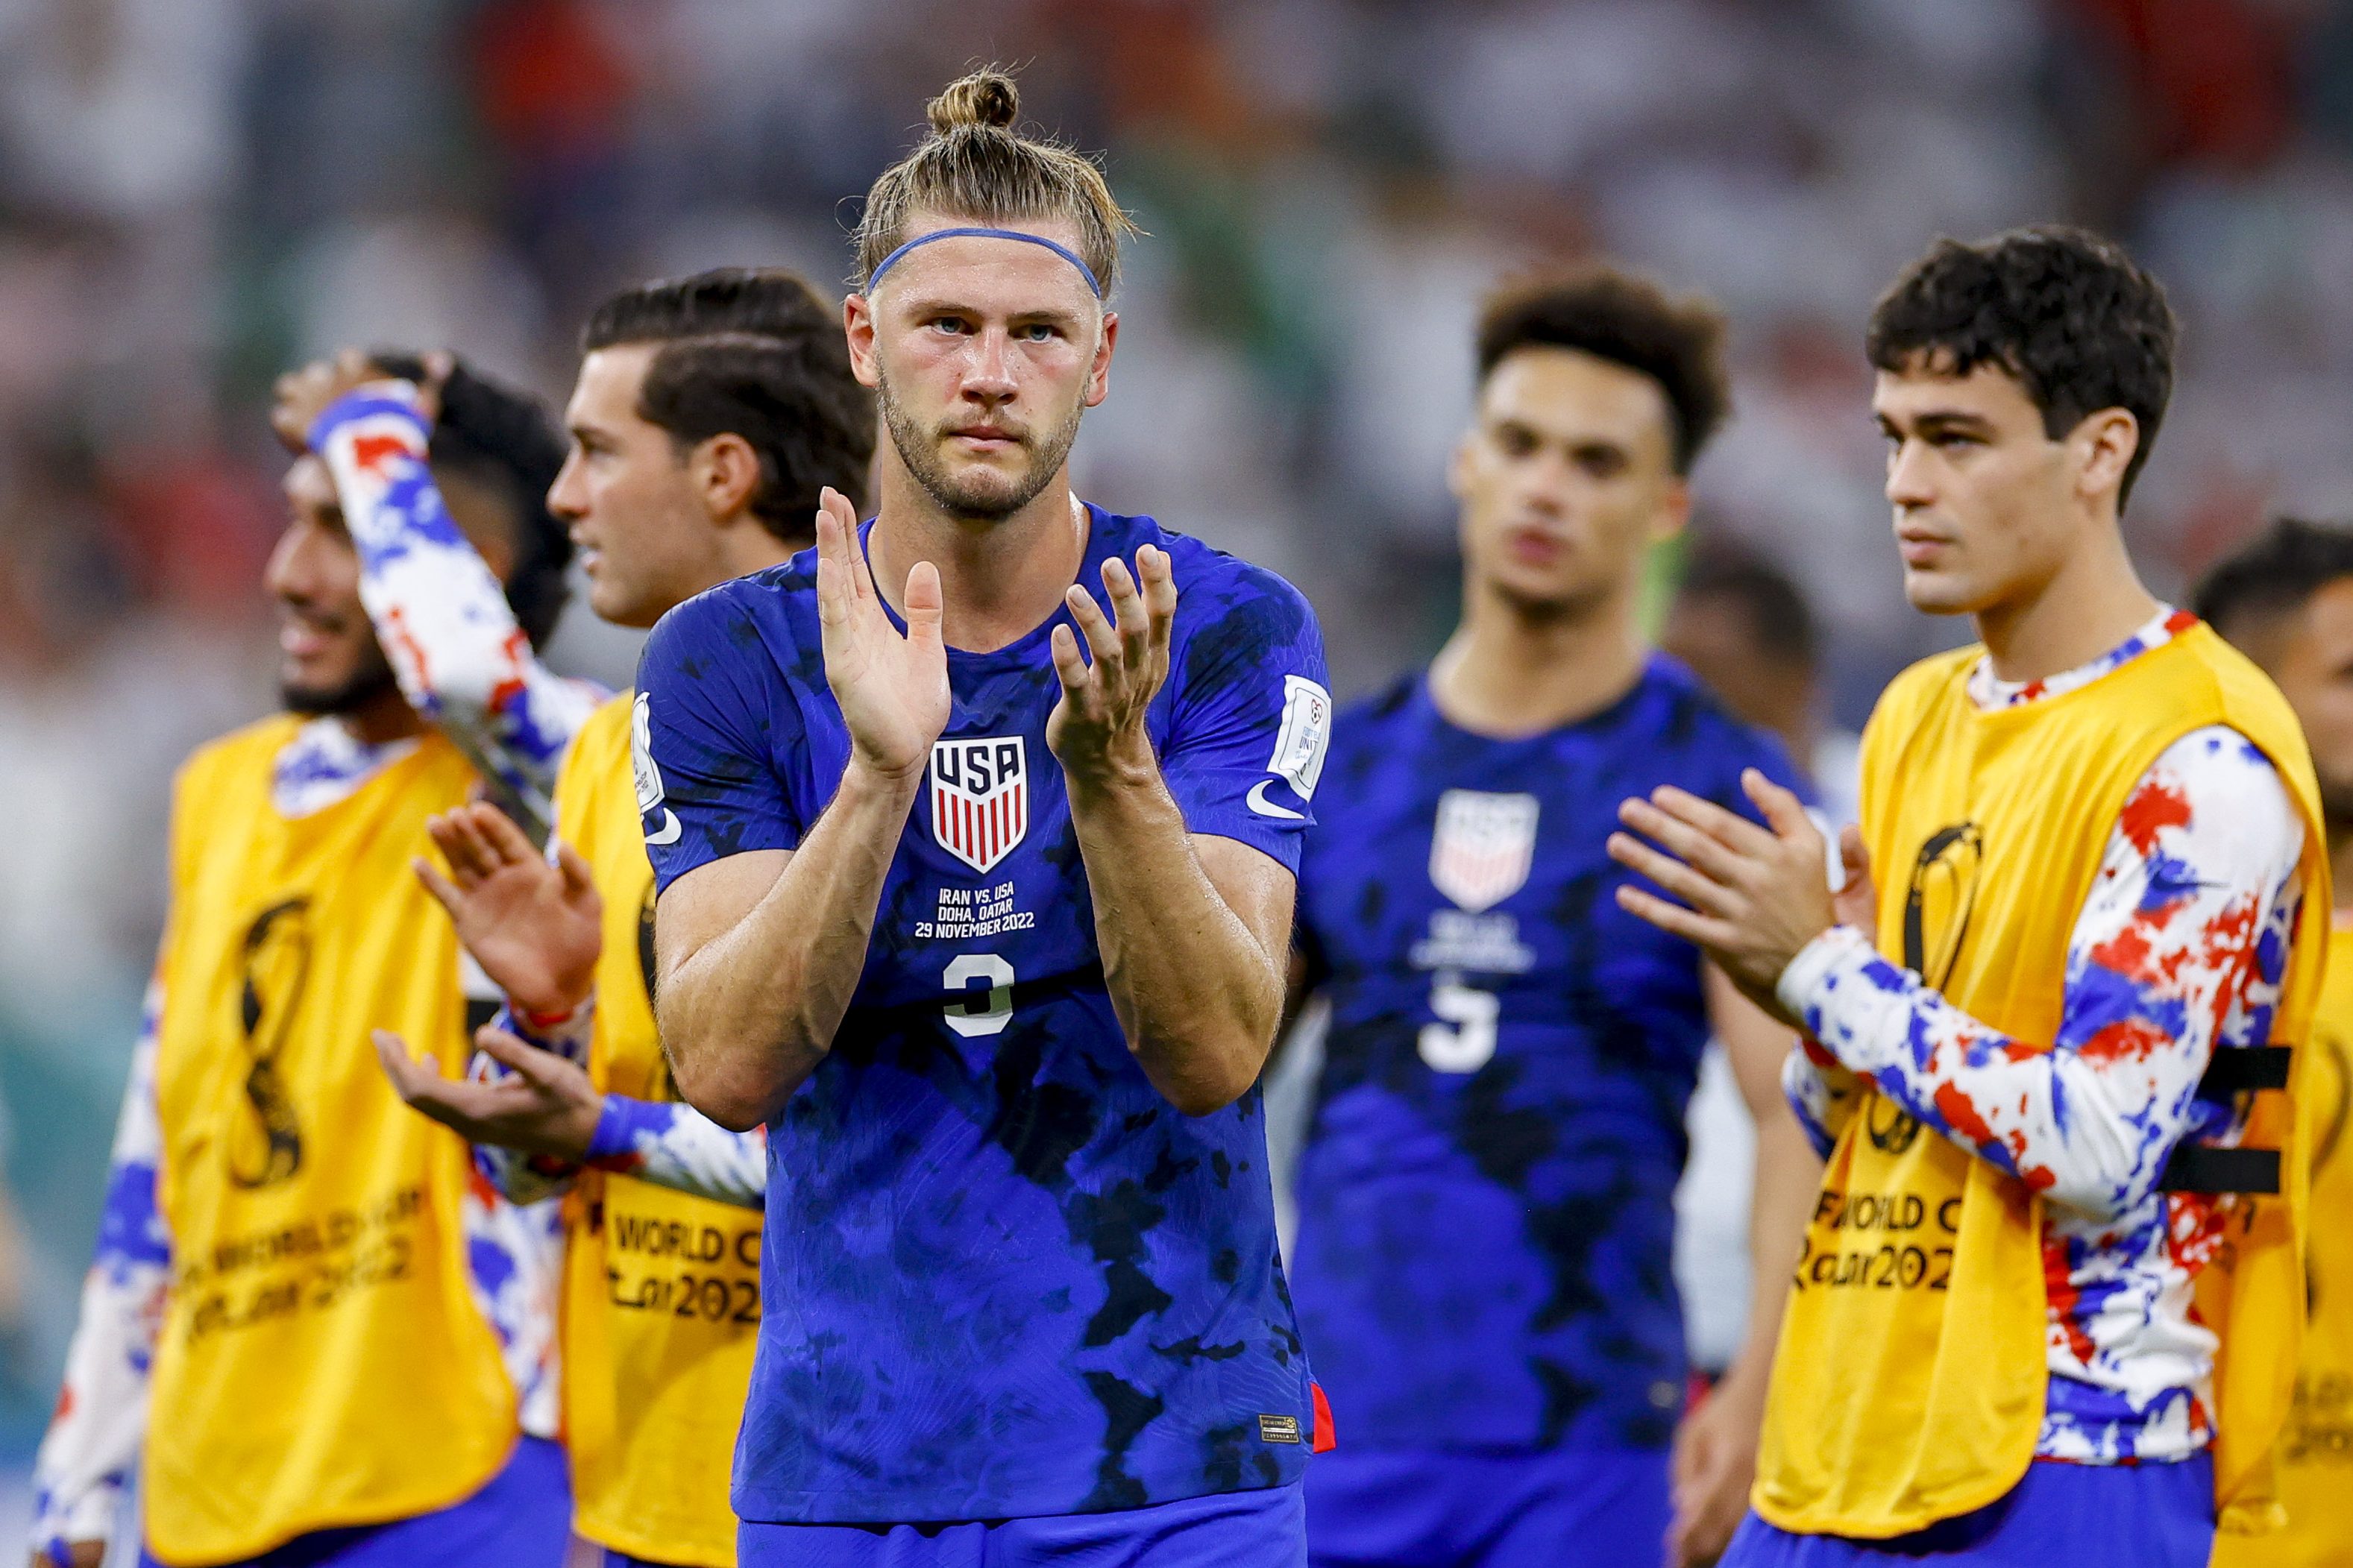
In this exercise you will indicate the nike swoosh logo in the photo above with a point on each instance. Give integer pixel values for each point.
(670, 829)
(1265, 807)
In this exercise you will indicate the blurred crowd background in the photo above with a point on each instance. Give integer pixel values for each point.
(197, 193)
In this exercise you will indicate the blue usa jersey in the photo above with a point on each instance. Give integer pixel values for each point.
(1485, 1197)
(1002, 1276)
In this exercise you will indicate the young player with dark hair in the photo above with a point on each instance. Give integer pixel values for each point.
(2036, 1054)
(710, 415)
(2286, 601)
(1486, 1222)
(319, 1337)
(976, 893)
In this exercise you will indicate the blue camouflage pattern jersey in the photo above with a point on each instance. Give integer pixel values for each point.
(1002, 1276)
(1486, 1218)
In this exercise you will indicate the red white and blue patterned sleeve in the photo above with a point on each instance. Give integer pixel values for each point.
(440, 612)
(92, 1446)
(2180, 948)
(676, 1146)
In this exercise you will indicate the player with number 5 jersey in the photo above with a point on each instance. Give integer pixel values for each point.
(1486, 1218)
(974, 833)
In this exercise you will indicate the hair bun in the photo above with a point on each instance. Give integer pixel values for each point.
(983, 98)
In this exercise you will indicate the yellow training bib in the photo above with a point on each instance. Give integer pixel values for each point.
(2314, 1456)
(1911, 1371)
(321, 1362)
(662, 1288)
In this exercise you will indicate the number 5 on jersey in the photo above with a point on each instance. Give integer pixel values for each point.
(1464, 1037)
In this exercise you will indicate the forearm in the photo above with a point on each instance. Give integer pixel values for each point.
(440, 612)
(676, 1146)
(91, 1449)
(1819, 1092)
(1781, 1198)
(2061, 1130)
(1196, 993)
(748, 1014)
(93, 1440)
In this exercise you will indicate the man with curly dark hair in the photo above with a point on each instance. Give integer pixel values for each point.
(1482, 1264)
(2038, 1054)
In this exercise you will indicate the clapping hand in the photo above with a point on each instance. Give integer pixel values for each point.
(1752, 896)
(544, 1105)
(1097, 730)
(893, 689)
(535, 928)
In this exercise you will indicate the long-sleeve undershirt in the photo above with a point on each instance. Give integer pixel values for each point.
(2180, 950)
(463, 662)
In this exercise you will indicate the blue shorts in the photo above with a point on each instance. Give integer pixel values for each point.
(2086, 1516)
(521, 1520)
(1559, 1509)
(1264, 1529)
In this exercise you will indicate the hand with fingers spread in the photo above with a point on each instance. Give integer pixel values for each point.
(301, 396)
(893, 689)
(1752, 896)
(535, 928)
(1097, 729)
(546, 1105)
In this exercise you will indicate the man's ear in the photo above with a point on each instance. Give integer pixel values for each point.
(2104, 445)
(1674, 511)
(1099, 376)
(727, 474)
(858, 326)
(1458, 466)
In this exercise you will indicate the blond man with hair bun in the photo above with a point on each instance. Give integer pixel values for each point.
(975, 833)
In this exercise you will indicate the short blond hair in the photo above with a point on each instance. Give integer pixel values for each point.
(975, 166)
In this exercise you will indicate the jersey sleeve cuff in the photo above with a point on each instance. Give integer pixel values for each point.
(388, 399)
(1281, 841)
(614, 1144)
(1811, 978)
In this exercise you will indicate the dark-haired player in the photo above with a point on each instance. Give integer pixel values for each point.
(1486, 1219)
(709, 412)
(2286, 601)
(318, 1334)
(978, 894)
(2101, 876)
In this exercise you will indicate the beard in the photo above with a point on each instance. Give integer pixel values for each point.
(981, 496)
(365, 685)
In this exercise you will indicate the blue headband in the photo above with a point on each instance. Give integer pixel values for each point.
(892, 261)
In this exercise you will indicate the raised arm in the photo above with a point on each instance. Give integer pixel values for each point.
(1194, 927)
(92, 1446)
(677, 1146)
(439, 611)
(2180, 948)
(1715, 1445)
(761, 931)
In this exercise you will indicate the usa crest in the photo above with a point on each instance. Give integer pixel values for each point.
(1483, 848)
(980, 797)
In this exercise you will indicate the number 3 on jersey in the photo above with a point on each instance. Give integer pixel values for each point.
(975, 1012)
(1463, 1038)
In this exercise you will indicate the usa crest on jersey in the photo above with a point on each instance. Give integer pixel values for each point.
(1483, 848)
(980, 797)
